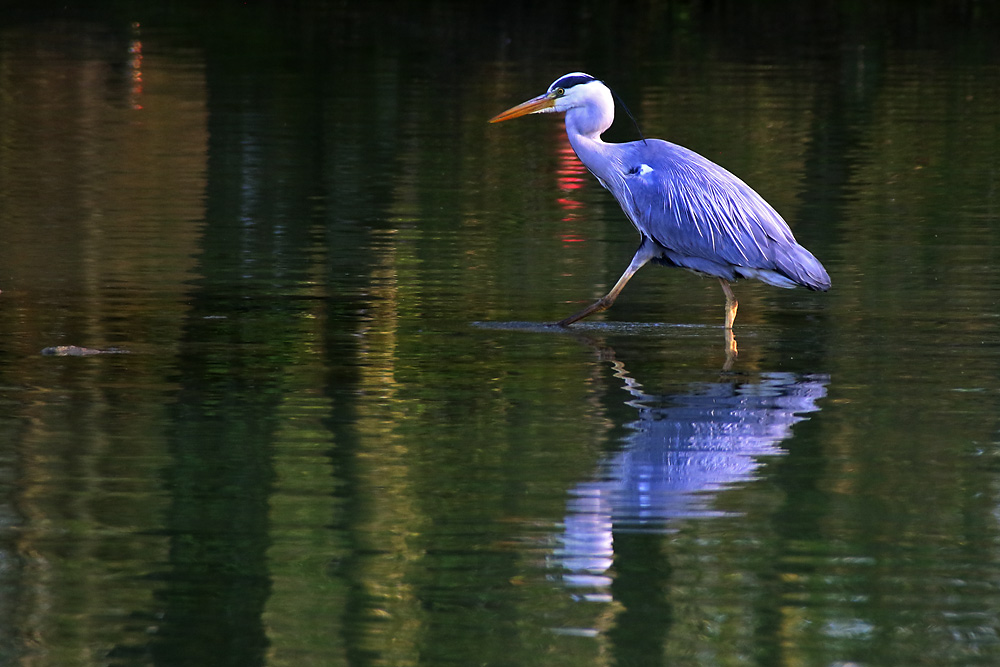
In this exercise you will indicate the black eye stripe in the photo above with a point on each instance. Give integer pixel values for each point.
(569, 81)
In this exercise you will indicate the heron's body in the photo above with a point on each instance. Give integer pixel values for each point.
(689, 211)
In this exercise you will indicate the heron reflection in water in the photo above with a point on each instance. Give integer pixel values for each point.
(681, 451)
(690, 212)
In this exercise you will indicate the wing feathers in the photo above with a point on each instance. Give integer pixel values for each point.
(709, 220)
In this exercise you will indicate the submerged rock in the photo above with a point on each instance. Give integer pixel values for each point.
(75, 351)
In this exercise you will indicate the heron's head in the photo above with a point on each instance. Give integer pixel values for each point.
(570, 91)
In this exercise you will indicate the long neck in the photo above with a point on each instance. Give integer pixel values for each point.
(585, 124)
(599, 157)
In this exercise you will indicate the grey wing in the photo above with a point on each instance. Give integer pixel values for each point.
(708, 220)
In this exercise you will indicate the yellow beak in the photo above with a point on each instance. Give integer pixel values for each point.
(534, 105)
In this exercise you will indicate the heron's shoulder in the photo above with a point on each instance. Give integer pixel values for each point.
(663, 156)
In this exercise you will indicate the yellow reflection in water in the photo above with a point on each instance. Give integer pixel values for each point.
(100, 199)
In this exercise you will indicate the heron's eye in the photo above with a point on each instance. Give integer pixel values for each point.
(560, 92)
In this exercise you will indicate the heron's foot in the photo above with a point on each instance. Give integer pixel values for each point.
(601, 304)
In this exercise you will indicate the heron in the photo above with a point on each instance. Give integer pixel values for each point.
(690, 212)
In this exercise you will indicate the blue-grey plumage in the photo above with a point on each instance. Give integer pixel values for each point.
(708, 220)
(689, 211)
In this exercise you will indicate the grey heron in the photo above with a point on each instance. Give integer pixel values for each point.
(689, 212)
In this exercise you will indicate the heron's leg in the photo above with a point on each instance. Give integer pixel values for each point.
(731, 351)
(731, 303)
(647, 251)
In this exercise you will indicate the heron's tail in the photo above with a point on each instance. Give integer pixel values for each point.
(799, 265)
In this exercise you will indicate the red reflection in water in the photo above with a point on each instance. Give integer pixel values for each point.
(135, 66)
(571, 176)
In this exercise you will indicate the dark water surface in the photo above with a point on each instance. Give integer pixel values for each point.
(341, 433)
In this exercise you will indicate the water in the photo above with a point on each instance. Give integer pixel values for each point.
(340, 432)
